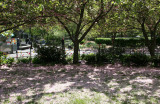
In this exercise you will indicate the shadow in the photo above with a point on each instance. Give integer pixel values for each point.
(112, 80)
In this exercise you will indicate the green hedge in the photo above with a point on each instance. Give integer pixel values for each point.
(124, 42)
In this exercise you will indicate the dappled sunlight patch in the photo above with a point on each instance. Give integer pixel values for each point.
(30, 79)
(113, 84)
(109, 67)
(93, 76)
(30, 92)
(12, 98)
(157, 93)
(142, 81)
(62, 84)
(74, 96)
(2, 80)
(57, 87)
(139, 92)
(126, 89)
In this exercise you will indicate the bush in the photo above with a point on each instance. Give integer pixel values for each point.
(24, 60)
(156, 61)
(115, 51)
(83, 56)
(69, 59)
(90, 58)
(50, 54)
(99, 58)
(5, 60)
(137, 59)
(90, 44)
(8, 61)
(126, 59)
(1, 54)
(122, 42)
(37, 60)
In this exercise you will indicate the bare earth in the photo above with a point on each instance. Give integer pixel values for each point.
(79, 84)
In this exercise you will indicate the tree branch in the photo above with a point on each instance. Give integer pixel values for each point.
(96, 20)
(80, 20)
(156, 25)
(65, 27)
(10, 28)
(71, 20)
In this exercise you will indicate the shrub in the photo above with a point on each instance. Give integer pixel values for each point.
(69, 59)
(50, 54)
(106, 41)
(99, 58)
(125, 59)
(37, 60)
(83, 56)
(1, 54)
(137, 59)
(5, 60)
(24, 60)
(91, 44)
(102, 58)
(8, 61)
(122, 42)
(156, 61)
(115, 51)
(90, 58)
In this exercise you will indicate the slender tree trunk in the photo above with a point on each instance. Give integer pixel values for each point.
(113, 43)
(151, 50)
(76, 48)
(151, 44)
(113, 39)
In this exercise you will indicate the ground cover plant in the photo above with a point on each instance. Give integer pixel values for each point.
(79, 84)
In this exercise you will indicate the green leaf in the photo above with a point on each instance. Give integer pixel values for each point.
(1, 3)
(117, 1)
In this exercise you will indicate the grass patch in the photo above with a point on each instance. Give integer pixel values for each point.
(19, 98)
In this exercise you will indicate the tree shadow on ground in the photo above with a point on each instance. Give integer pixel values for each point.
(33, 83)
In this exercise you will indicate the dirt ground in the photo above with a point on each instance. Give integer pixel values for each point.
(79, 84)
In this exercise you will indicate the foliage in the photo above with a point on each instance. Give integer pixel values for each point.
(36, 60)
(17, 13)
(1, 56)
(5, 60)
(99, 58)
(90, 58)
(143, 15)
(24, 60)
(50, 54)
(83, 41)
(137, 59)
(126, 59)
(83, 56)
(122, 42)
(90, 44)
(156, 61)
(104, 58)
(8, 61)
(69, 59)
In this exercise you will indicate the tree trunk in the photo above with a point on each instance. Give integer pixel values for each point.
(152, 50)
(151, 44)
(76, 48)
